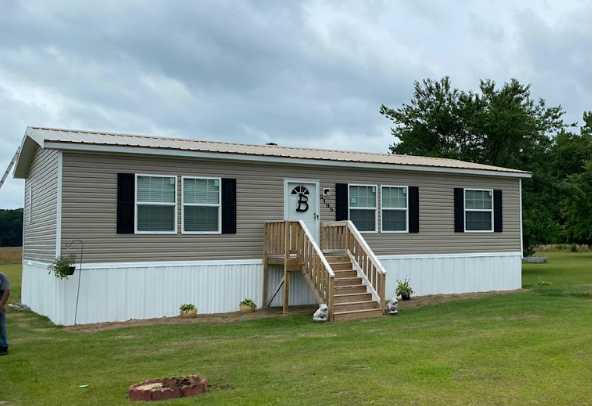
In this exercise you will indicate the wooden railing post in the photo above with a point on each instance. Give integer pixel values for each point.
(286, 259)
(330, 295)
(265, 266)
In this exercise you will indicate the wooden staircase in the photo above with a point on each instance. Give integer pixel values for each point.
(351, 300)
(346, 275)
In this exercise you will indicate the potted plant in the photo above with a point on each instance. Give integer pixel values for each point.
(188, 311)
(404, 289)
(63, 266)
(247, 306)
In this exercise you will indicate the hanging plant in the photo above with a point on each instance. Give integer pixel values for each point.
(63, 266)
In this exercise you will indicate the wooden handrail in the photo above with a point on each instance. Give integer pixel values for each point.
(292, 239)
(343, 235)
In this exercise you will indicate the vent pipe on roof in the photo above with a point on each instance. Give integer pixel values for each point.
(272, 143)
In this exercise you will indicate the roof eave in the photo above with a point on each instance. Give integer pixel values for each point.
(273, 159)
(31, 141)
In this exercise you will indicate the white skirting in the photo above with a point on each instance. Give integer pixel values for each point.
(124, 291)
(117, 292)
(300, 292)
(453, 273)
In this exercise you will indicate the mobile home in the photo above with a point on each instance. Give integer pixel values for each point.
(157, 222)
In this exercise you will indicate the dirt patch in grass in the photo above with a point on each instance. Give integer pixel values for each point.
(220, 318)
(235, 317)
(422, 301)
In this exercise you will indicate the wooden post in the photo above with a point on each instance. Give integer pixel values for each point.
(286, 258)
(265, 268)
(330, 295)
(300, 243)
(382, 290)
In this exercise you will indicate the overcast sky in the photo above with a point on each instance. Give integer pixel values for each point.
(306, 73)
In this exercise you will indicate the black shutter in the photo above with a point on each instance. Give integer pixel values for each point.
(229, 206)
(341, 201)
(414, 215)
(458, 204)
(498, 211)
(125, 203)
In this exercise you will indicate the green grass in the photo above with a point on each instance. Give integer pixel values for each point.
(532, 348)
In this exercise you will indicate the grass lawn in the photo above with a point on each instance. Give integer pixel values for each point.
(531, 348)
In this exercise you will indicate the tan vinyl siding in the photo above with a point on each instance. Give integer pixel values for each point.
(39, 225)
(90, 203)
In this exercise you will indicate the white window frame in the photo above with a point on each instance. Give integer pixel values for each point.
(154, 175)
(364, 208)
(491, 210)
(407, 210)
(219, 205)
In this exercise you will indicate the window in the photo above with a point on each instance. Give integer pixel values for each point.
(300, 190)
(201, 205)
(394, 209)
(156, 204)
(478, 210)
(362, 205)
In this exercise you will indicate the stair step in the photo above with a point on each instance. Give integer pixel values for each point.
(348, 307)
(350, 273)
(348, 289)
(338, 266)
(347, 281)
(352, 297)
(337, 258)
(357, 314)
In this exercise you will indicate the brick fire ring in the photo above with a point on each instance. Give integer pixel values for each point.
(167, 388)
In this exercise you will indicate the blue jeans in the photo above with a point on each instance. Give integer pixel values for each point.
(3, 335)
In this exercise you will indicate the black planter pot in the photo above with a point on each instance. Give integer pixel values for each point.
(70, 270)
(405, 297)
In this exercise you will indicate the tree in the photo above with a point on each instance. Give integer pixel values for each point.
(572, 166)
(495, 126)
(11, 225)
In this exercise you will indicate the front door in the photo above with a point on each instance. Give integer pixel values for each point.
(301, 202)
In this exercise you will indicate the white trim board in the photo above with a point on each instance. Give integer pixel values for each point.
(521, 214)
(105, 265)
(59, 206)
(108, 265)
(461, 255)
(259, 158)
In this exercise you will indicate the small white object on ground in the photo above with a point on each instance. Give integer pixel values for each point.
(321, 313)
(392, 306)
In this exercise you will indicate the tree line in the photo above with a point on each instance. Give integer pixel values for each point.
(11, 228)
(503, 126)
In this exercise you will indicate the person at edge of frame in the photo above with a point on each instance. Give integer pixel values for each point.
(4, 294)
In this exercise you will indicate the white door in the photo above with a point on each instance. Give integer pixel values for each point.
(301, 202)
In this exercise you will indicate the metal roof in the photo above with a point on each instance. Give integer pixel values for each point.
(63, 138)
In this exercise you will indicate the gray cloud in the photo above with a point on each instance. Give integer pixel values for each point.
(310, 73)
